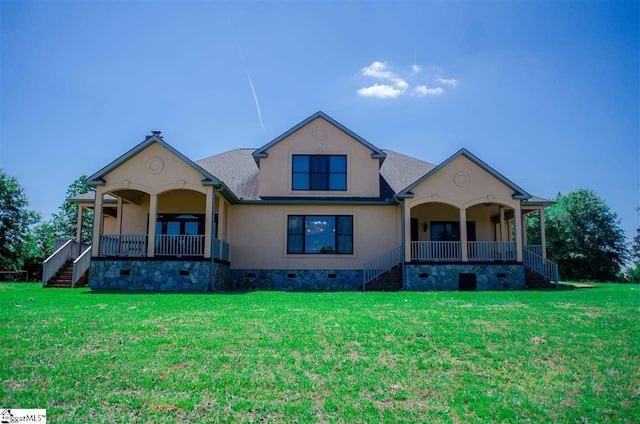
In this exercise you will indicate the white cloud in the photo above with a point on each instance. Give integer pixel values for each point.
(382, 91)
(393, 85)
(380, 70)
(452, 82)
(422, 91)
(402, 85)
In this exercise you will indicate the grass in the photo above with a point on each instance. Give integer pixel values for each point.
(527, 356)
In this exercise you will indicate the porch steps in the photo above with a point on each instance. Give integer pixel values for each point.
(63, 278)
(533, 280)
(389, 281)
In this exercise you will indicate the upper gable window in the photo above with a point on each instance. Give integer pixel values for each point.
(319, 172)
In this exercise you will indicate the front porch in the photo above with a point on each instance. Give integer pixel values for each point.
(165, 246)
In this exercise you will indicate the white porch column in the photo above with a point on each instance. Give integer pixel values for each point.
(503, 227)
(97, 222)
(517, 216)
(79, 225)
(119, 218)
(463, 234)
(79, 230)
(406, 220)
(209, 223)
(222, 226)
(524, 229)
(151, 233)
(543, 237)
(510, 228)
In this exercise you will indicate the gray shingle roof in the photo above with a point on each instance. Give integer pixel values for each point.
(90, 197)
(238, 170)
(400, 170)
(538, 201)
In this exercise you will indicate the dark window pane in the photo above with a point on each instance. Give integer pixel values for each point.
(295, 244)
(345, 244)
(191, 228)
(173, 228)
(437, 232)
(319, 181)
(338, 181)
(319, 163)
(338, 163)
(300, 163)
(295, 225)
(453, 231)
(300, 181)
(345, 225)
(320, 234)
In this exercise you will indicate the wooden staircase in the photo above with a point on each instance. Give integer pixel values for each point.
(389, 281)
(533, 280)
(63, 278)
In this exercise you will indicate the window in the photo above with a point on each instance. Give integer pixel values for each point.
(320, 234)
(319, 172)
(176, 224)
(450, 231)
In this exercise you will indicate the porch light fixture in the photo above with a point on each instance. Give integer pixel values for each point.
(425, 227)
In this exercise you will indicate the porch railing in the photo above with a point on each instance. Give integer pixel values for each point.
(436, 250)
(536, 263)
(179, 245)
(534, 248)
(80, 266)
(220, 249)
(134, 245)
(379, 265)
(491, 251)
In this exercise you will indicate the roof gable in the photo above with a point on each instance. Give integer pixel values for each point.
(376, 153)
(519, 193)
(98, 178)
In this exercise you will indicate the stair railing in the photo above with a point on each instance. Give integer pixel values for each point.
(536, 263)
(53, 263)
(379, 265)
(81, 265)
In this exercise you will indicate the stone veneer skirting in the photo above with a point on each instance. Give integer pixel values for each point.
(296, 279)
(158, 275)
(494, 276)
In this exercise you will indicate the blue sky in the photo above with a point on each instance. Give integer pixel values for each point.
(547, 93)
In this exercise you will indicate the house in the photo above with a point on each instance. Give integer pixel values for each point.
(317, 208)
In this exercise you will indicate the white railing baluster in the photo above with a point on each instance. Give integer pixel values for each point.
(548, 269)
(379, 265)
(80, 266)
(53, 263)
(179, 245)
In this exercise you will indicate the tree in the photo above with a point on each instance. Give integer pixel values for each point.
(15, 222)
(635, 245)
(65, 221)
(583, 236)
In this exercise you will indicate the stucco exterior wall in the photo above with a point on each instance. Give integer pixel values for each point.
(462, 183)
(319, 138)
(134, 217)
(258, 236)
(154, 170)
(181, 201)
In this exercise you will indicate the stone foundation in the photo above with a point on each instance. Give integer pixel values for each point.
(296, 279)
(494, 276)
(153, 275)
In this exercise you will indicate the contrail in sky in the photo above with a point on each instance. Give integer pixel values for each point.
(253, 90)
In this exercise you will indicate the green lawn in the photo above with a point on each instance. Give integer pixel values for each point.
(527, 356)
